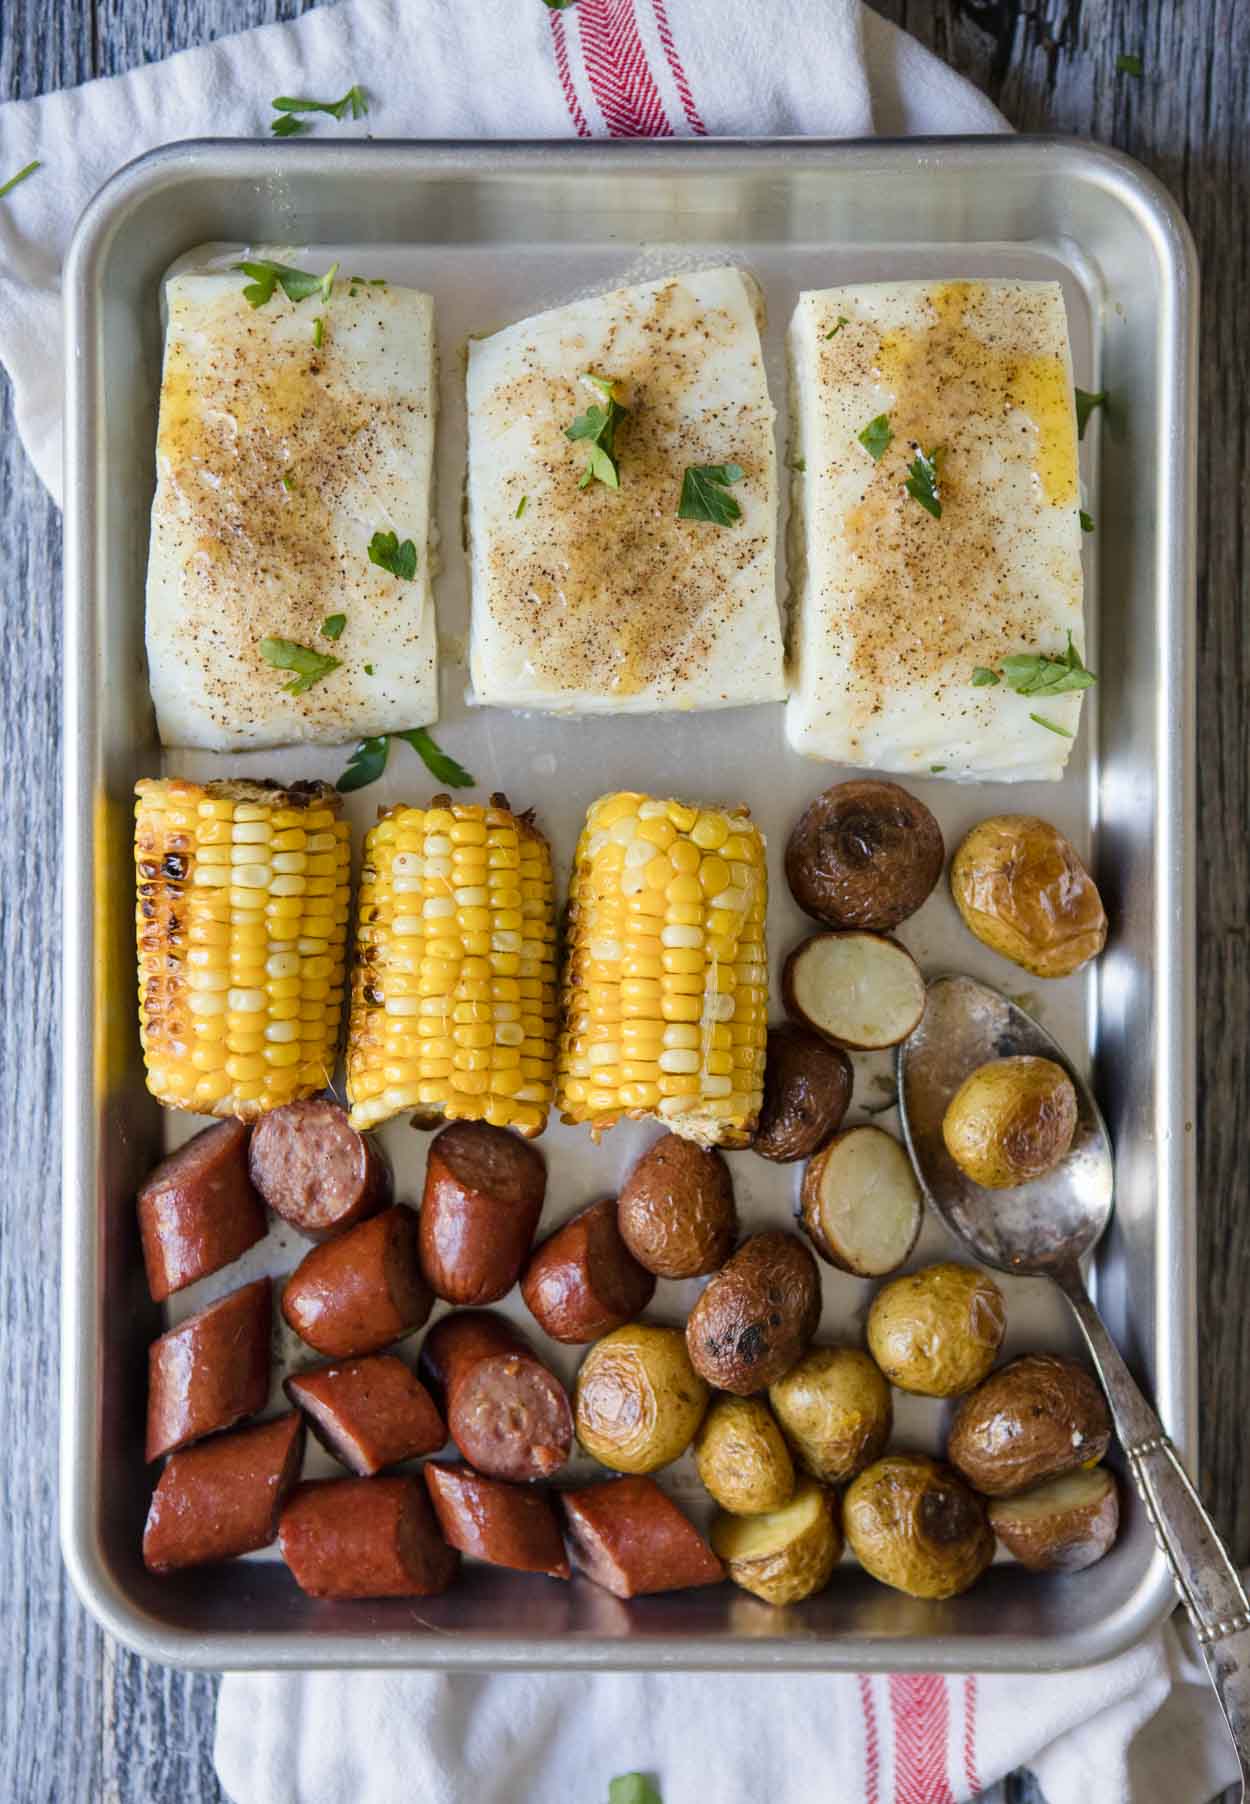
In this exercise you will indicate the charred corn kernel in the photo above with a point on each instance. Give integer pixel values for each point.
(456, 912)
(664, 956)
(222, 923)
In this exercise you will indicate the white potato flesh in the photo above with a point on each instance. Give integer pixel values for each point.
(860, 989)
(601, 600)
(895, 609)
(869, 1201)
(277, 460)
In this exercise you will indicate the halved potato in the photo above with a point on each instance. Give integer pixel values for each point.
(1063, 1525)
(742, 1458)
(786, 1555)
(860, 1203)
(860, 990)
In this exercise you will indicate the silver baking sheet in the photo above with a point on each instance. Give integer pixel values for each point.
(495, 233)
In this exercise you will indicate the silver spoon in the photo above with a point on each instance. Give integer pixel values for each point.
(1044, 1229)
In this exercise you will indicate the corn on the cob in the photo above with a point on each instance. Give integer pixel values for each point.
(241, 922)
(666, 981)
(454, 986)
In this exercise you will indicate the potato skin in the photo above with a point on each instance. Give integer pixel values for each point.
(800, 1568)
(835, 1410)
(1022, 890)
(864, 854)
(756, 1316)
(936, 1332)
(807, 1091)
(1010, 1121)
(915, 1525)
(742, 1458)
(1071, 1534)
(676, 1210)
(1036, 1418)
(638, 1401)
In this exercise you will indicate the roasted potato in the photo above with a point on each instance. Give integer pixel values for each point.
(860, 1204)
(807, 1091)
(914, 1524)
(756, 1316)
(1037, 1417)
(742, 1458)
(834, 1408)
(937, 1332)
(1011, 1120)
(1063, 1525)
(1023, 891)
(864, 854)
(676, 1211)
(638, 1401)
(786, 1555)
(859, 990)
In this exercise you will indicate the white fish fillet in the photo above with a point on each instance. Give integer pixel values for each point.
(893, 609)
(238, 554)
(599, 600)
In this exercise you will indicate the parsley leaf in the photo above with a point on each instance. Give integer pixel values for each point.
(287, 126)
(799, 464)
(368, 761)
(877, 437)
(319, 331)
(21, 175)
(922, 480)
(703, 495)
(598, 425)
(1130, 64)
(332, 626)
(633, 1788)
(521, 506)
(559, 6)
(296, 284)
(1086, 404)
(1052, 726)
(1087, 521)
(982, 677)
(439, 763)
(366, 765)
(935, 768)
(834, 330)
(352, 102)
(386, 551)
(1036, 673)
(309, 665)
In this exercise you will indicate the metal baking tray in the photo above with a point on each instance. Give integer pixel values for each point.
(496, 232)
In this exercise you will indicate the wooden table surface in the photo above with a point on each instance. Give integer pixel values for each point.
(83, 1720)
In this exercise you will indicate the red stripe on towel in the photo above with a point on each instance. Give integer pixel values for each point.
(920, 1708)
(560, 45)
(665, 31)
(620, 76)
(970, 1734)
(872, 1744)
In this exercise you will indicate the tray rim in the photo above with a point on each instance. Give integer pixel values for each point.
(1174, 602)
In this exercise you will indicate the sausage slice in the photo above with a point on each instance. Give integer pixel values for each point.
(505, 1525)
(369, 1413)
(627, 1536)
(223, 1498)
(198, 1210)
(583, 1281)
(484, 1190)
(210, 1371)
(360, 1291)
(365, 1537)
(508, 1415)
(314, 1170)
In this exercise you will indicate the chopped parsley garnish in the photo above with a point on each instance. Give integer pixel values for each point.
(632, 1788)
(877, 437)
(1036, 673)
(309, 665)
(1129, 64)
(1052, 726)
(704, 494)
(922, 480)
(368, 669)
(834, 330)
(368, 761)
(559, 6)
(296, 284)
(935, 768)
(287, 126)
(386, 551)
(982, 677)
(598, 427)
(799, 464)
(21, 175)
(353, 103)
(1086, 404)
(319, 331)
(521, 506)
(332, 626)
(1087, 521)
(288, 483)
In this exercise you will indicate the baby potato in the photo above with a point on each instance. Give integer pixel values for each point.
(864, 854)
(807, 1091)
(786, 1555)
(1036, 1418)
(834, 1408)
(1063, 1525)
(638, 1400)
(1023, 891)
(676, 1209)
(1011, 1120)
(757, 1315)
(937, 1332)
(742, 1458)
(915, 1525)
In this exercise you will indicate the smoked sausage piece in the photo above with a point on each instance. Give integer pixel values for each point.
(506, 1525)
(508, 1415)
(627, 1536)
(210, 1371)
(314, 1170)
(484, 1190)
(198, 1210)
(223, 1498)
(365, 1537)
(361, 1290)
(369, 1413)
(583, 1281)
